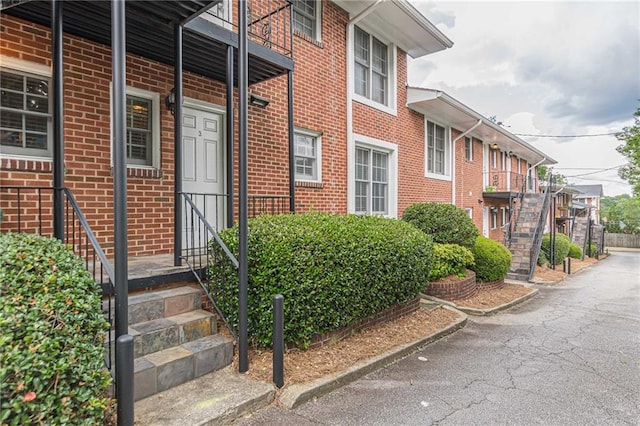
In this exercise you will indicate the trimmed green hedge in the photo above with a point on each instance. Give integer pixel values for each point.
(445, 223)
(492, 260)
(542, 258)
(331, 269)
(51, 353)
(575, 252)
(561, 247)
(450, 259)
(592, 248)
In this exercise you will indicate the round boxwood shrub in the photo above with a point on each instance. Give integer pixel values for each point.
(575, 252)
(331, 269)
(445, 223)
(492, 260)
(450, 259)
(542, 258)
(561, 247)
(51, 353)
(592, 248)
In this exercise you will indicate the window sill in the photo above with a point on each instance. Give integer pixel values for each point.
(309, 184)
(26, 164)
(381, 107)
(142, 172)
(437, 177)
(309, 39)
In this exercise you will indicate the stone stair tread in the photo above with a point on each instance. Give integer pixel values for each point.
(215, 398)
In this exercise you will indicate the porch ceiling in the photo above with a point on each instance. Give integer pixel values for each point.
(448, 111)
(150, 33)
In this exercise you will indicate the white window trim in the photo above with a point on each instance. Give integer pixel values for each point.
(318, 137)
(10, 63)
(470, 159)
(469, 211)
(318, 35)
(225, 20)
(503, 160)
(447, 152)
(503, 216)
(156, 136)
(493, 154)
(392, 150)
(493, 219)
(392, 107)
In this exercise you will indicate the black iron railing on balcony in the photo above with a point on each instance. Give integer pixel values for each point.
(29, 209)
(503, 181)
(269, 23)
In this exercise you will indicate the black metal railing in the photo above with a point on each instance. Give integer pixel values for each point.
(29, 209)
(269, 23)
(504, 181)
(536, 243)
(512, 224)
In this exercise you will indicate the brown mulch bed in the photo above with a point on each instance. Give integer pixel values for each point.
(486, 299)
(545, 274)
(305, 366)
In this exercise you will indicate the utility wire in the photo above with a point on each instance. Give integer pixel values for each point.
(596, 172)
(567, 136)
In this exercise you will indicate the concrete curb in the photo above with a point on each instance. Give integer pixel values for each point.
(298, 394)
(492, 311)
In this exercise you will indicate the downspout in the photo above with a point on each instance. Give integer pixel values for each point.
(350, 154)
(453, 159)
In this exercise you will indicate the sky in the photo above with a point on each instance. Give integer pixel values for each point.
(556, 68)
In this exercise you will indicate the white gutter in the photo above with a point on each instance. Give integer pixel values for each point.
(350, 141)
(453, 159)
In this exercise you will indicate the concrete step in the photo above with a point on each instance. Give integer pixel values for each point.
(149, 306)
(163, 333)
(518, 276)
(162, 370)
(216, 398)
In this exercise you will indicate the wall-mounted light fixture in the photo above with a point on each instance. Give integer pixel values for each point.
(170, 101)
(480, 201)
(494, 146)
(258, 101)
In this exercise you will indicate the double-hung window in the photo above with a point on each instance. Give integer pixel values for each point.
(308, 160)
(25, 118)
(372, 181)
(306, 17)
(371, 68)
(468, 148)
(436, 150)
(494, 159)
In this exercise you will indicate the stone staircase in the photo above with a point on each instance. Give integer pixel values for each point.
(175, 341)
(579, 233)
(523, 237)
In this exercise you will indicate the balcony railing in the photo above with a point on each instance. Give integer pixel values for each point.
(268, 23)
(503, 181)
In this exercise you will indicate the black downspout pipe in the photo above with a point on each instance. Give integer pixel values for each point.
(243, 157)
(57, 41)
(292, 175)
(230, 154)
(177, 144)
(118, 49)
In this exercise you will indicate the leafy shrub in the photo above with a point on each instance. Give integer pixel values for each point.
(51, 353)
(450, 259)
(492, 260)
(331, 269)
(561, 247)
(543, 259)
(445, 223)
(592, 248)
(575, 252)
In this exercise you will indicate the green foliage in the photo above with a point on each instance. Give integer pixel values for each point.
(450, 259)
(561, 247)
(51, 353)
(492, 260)
(331, 269)
(631, 149)
(445, 223)
(542, 258)
(592, 248)
(575, 252)
(621, 214)
(543, 175)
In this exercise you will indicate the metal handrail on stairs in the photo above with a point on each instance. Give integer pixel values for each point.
(534, 251)
(512, 224)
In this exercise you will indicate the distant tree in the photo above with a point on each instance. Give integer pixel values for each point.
(631, 149)
(621, 214)
(543, 175)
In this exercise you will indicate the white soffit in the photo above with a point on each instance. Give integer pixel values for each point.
(445, 110)
(399, 23)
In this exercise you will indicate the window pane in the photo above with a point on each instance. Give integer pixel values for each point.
(37, 86)
(12, 120)
(10, 138)
(379, 167)
(362, 164)
(361, 46)
(38, 104)
(379, 88)
(305, 145)
(361, 80)
(36, 124)
(37, 141)
(379, 57)
(138, 145)
(138, 113)
(361, 196)
(379, 198)
(11, 99)
(11, 81)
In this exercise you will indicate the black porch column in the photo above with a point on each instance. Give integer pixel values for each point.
(292, 173)
(230, 72)
(243, 159)
(177, 144)
(57, 41)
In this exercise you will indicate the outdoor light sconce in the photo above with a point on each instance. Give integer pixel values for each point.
(480, 201)
(258, 101)
(494, 146)
(170, 101)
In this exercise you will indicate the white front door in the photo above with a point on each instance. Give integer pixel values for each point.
(203, 172)
(485, 221)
